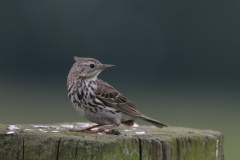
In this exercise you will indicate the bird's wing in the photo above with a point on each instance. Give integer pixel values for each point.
(112, 98)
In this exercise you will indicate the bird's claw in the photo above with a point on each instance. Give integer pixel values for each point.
(114, 132)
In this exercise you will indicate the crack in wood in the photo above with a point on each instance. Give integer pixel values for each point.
(206, 142)
(178, 149)
(140, 148)
(76, 150)
(19, 139)
(23, 148)
(58, 147)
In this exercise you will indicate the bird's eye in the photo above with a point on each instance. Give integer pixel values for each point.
(92, 65)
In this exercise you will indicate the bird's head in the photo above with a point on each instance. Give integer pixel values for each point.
(86, 68)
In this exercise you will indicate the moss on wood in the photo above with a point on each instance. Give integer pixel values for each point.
(141, 142)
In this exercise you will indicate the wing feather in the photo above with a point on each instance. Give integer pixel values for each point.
(112, 98)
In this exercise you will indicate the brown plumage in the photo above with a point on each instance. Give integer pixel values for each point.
(99, 102)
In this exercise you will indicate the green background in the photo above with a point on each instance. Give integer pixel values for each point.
(178, 62)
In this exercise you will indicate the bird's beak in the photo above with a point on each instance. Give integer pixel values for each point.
(104, 66)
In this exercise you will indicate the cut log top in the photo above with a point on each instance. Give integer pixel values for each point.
(138, 142)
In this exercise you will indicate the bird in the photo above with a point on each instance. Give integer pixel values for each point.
(99, 102)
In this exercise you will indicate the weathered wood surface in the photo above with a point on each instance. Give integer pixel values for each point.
(50, 142)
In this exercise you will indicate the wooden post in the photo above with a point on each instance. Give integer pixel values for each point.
(30, 142)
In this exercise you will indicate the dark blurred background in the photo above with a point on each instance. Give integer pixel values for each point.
(177, 61)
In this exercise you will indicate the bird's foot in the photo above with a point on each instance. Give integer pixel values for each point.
(76, 130)
(86, 130)
(113, 132)
(101, 130)
(83, 130)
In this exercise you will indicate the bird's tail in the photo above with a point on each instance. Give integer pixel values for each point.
(155, 122)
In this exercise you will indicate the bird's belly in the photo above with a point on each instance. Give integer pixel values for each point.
(106, 116)
(100, 114)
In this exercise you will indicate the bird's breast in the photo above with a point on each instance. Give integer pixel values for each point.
(82, 95)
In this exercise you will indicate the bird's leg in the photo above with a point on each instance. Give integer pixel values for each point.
(108, 127)
(86, 130)
(89, 128)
